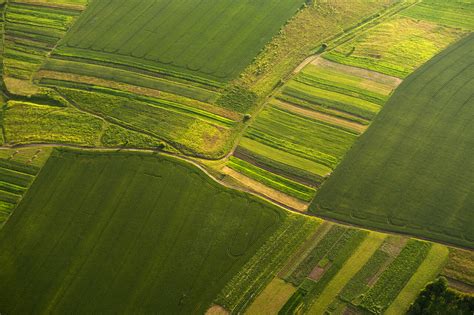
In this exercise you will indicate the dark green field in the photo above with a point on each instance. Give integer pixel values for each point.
(412, 170)
(126, 233)
(206, 38)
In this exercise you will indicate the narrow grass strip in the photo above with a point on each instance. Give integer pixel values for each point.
(358, 259)
(426, 272)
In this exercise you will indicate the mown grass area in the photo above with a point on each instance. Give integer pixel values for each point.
(18, 169)
(148, 247)
(455, 13)
(204, 39)
(397, 46)
(410, 171)
(31, 32)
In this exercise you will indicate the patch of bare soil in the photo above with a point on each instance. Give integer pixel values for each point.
(318, 272)
(217, 310)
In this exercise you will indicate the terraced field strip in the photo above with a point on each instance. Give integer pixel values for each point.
(352, 265)
(431, 109)
(31, 32)
(426, 272)
(215, 42)
(155, 224)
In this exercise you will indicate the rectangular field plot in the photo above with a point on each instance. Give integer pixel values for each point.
(412, 170)
(209, 39)
(132, 233)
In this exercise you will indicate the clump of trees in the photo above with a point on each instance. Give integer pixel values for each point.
(437, 298)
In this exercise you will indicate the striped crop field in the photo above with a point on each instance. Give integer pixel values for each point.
(340, 270)
(428, 119)
(32, 29)
(304, 131)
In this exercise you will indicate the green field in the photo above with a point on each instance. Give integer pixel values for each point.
(410, 172)
(397, 46)
(151, 247)
(303, 133)
(202, 38)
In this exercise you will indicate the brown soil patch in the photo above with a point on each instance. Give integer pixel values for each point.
(271, 193)
(133, 89)
(364, 73)
(318, 272)
(217, 310)
(359, 128)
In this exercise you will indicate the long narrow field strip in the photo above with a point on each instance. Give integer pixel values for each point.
(205, 39)
(425, 273)
(306, 129)
(157, 222)
(350, 268)
(410, 171)
(146, 80)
